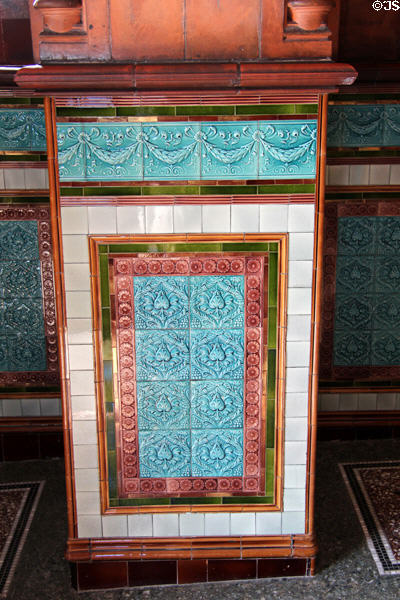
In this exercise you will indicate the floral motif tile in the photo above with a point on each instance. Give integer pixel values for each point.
(217, 453)
(163, 405)
(164, 454)
(18, 240)
(162, 355)
(20, 279)
(171, 151)
(22, 129)
(217, 404)
(217, 302)
(217, 354)
(161, 302)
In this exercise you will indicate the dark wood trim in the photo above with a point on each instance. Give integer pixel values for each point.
(364, 160)
(30, 424)
(359, 418)
(354, 189)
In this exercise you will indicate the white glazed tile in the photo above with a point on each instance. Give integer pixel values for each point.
(294, 500)
(299, 301)
(301, 217)
(300, 273)
(301, 246)
(78, 305)
(75, 248)
(84, 432)
(379, 174)
(165, 525)
(394, 174)
(297, 354)
(80, 331)
(35, 179)
(89, 526)
(82, 383)
(296, 405)
(367, 401)
(14, 179)
(295, 476)
(298, 328)
(85, 457)
(1, 408)
(30, 407)
(87, 503)
(187, 218)
(87, 480)
(295, 453)
(83, 408)
(46, 179)
(12, 408)
(293, 523)
(329, 402)
(140, 525)
(268, 523)
(50, 407)
(296, 379)
(2, 179)
(159, 219)
(386, 401)
(296, 429)
(274, 218)
(338, 174)
(243, 523)
(191, 524)
(216, 218)
(217, 524)
(245, 217)
(77, 277)
(359, 174)
(130, 219)
(114, 525)
(102, 219)
(348, 401)
(74, 219)
(81, 357)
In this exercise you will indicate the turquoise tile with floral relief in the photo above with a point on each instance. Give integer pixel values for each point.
(352, 348)
(171, 151)
(164, 453)
(356, 236)
(217, 354)
(71, 145)
(387, 235)
(386, 315)
(217, 404)
(354, 273)
(229, 150)
(22, 129)
(163, 405)
(161, 302)
(19, 240)
(162, 355)
(287, 149)
(217, 452)
(387, 273)
(24, 316)
(391, 132)
(26, 354)
(217, 302)
(355, 125)
(385, 347)
(21, 279)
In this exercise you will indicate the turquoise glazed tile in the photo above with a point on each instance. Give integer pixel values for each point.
(287, 149)
(217, 301)
(352, 125)
(388, 235)
(217, 404)
(217, 453)
(387, 312)
(387, 273)
(71, 143)
(217, 354)
(354, 312)
(171, 151)
(20, 279)
(163, 405)
(229, 150)
(354, 273)
(356, 236)
(161, 302)
(19, 240)
(22, 129)
(391, 134)
(164, 453)
(162, 355)
(26, 354)
(113, 152)
(352, 348)
(3, 353)
(23, 315)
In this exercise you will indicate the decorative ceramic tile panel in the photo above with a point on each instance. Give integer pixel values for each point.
(366, 125)
(28, 341)
(22, 129)
(188, 340)
(215, 150)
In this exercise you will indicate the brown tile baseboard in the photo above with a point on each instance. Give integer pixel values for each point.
(358, 425)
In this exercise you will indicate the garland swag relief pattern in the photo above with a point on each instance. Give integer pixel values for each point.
(22, 129)
(187, 151)
(369, 125)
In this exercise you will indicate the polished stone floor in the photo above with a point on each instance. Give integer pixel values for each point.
(346, 570)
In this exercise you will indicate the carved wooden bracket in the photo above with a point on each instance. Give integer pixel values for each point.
(59, 16)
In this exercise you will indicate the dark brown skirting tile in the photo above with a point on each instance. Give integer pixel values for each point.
(220, 570)
(152, 572)
(101, 575)
(282, 567)
(192, 571)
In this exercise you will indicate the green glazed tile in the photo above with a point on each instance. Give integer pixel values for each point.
(271, 376)
(106, 333)
(16, 100)
(104, 283)
(270, 472)
(248, 500)
(266, 109)
(86, 112)
(205, 110)
(71, 191)
(109, 409)
(270, 423)
(245, 247)
(306, 109)
(212, 190)
(169, 190)
(112, 191)
(272, 320)
(273, 279)
(22, 157)
(146, 501)
(103, 248)
(273, 246)
(108, 380)
(110, 433)
(209, 500)
(145, 111)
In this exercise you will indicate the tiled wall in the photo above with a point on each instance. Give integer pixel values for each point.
(23, 178)
(359, 401)
(363, 174)
(77, 223)
(30, 407)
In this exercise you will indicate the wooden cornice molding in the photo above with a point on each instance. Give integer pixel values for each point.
(79, 78)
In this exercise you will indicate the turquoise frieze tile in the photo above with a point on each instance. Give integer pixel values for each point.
(287, 149)
(171, 151)
(391, 134)
(217, 302)
(3, 353)
(352, 125)
(113, 152)
(19, 240)
(23, 315)
(229, 150)
(385, 348)
(71, 143)
(217, 404)
(161, 302)
(163, 405)
(164, 453)
(162, 355)
(20, 279)
(22, 129)
(354, 273)
(217, 453)
(352, 348)
(217, 354)
(387, 312)
(354, 312)
(26, 354)
(356, 236)
(387, 273)
(388, 235)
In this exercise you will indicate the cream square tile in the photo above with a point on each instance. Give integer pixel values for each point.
(89, 526)
(298, 328)
(296, 429)
(217, 524)
(386, 401)
(102, 219)
(187, 219)
(379, 174)
(348, 401)
(115, 525)
(74, 219)
(216, 218)
(294, 500)
(295, 453)
(85, 457)
(297, 354)
(35, 179)
(87, 503)
(367, 401)
(140, 525)
(243, 523)
(77, 277)
(296, 405)
(297, 379)
(75, 248)
(301, 217)
(83, 408)
(1, 408)
(12, 408)
(395, 174)
(301, 246)
(82, 383)
(165, 525)
(268, 523)
(359, 174)
(274, 218)
(338, 174)
(191, 524)
(397, 401)
(299, 301)
(87, 480)
(80, 331)
(245, 217)
(81, 357)
(78, 305)
(295, 476)
(300, 273)
(14, 179)
(2, 184)
(293, 522)
(329, 401)
(130, 219)
(159, 219)
(84, 432)
(30, 407)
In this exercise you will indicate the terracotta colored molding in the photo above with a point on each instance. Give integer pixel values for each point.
(186, 76)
